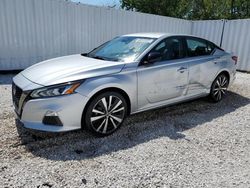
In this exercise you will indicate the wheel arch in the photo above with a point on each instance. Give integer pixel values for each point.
(226, 73)
(113, 89)
(212, 94)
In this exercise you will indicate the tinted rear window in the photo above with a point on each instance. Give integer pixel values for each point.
(199, 47)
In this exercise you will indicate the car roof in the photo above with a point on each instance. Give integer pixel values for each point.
(158, 35)
(149, 35)
(163, 35)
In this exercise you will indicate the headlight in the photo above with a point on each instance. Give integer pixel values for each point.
(55, 90)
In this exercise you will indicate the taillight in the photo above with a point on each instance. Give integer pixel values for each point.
(235, 59)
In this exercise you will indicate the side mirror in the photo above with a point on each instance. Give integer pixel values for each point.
(153, 57)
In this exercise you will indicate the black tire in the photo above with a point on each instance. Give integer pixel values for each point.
(219, 87)
(105, 113)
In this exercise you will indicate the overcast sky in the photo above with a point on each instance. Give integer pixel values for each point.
(100, 2)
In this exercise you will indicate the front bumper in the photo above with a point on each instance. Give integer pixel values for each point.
(31, 112)
(69, 109)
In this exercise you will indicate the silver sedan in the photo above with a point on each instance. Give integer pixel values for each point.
(126, 75)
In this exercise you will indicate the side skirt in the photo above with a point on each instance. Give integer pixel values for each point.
(172, 102)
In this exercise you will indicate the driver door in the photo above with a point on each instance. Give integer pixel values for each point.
(164, 79)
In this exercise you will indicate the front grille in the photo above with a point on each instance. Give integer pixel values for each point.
(16, 94)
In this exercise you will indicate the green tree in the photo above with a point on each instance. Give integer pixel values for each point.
(192, 9)
(160, 7)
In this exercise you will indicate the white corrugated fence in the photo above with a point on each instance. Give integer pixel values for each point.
(32, 30)
(209, 29)
(236, 39)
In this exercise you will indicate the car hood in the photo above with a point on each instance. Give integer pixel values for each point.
(69, 68)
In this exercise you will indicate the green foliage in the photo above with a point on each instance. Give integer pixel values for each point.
(192, 9)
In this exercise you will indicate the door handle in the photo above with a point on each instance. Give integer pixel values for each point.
(182, 69)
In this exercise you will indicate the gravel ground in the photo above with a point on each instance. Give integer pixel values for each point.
(195, 144)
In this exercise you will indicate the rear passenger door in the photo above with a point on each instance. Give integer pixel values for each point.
(203, 65)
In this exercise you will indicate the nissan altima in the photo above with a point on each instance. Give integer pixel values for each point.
(126, 75)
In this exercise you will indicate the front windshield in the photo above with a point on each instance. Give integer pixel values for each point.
(125, 49)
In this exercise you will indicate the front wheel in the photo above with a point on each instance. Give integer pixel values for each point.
(219, 87)
(105, 113)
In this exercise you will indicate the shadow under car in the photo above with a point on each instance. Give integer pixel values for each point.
(168, 122)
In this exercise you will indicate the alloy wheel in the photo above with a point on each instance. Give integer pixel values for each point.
(220, 87)
(107, 114)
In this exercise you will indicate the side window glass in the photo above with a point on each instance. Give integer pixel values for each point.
(197, 47)
(210, 47)
(170, 49)
(160, 47)
(174, 49)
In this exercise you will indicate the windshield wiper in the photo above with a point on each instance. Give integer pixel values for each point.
(84, 54)
(98, 57)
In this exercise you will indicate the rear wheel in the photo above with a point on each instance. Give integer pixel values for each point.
(106, 113)
(219, 87)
